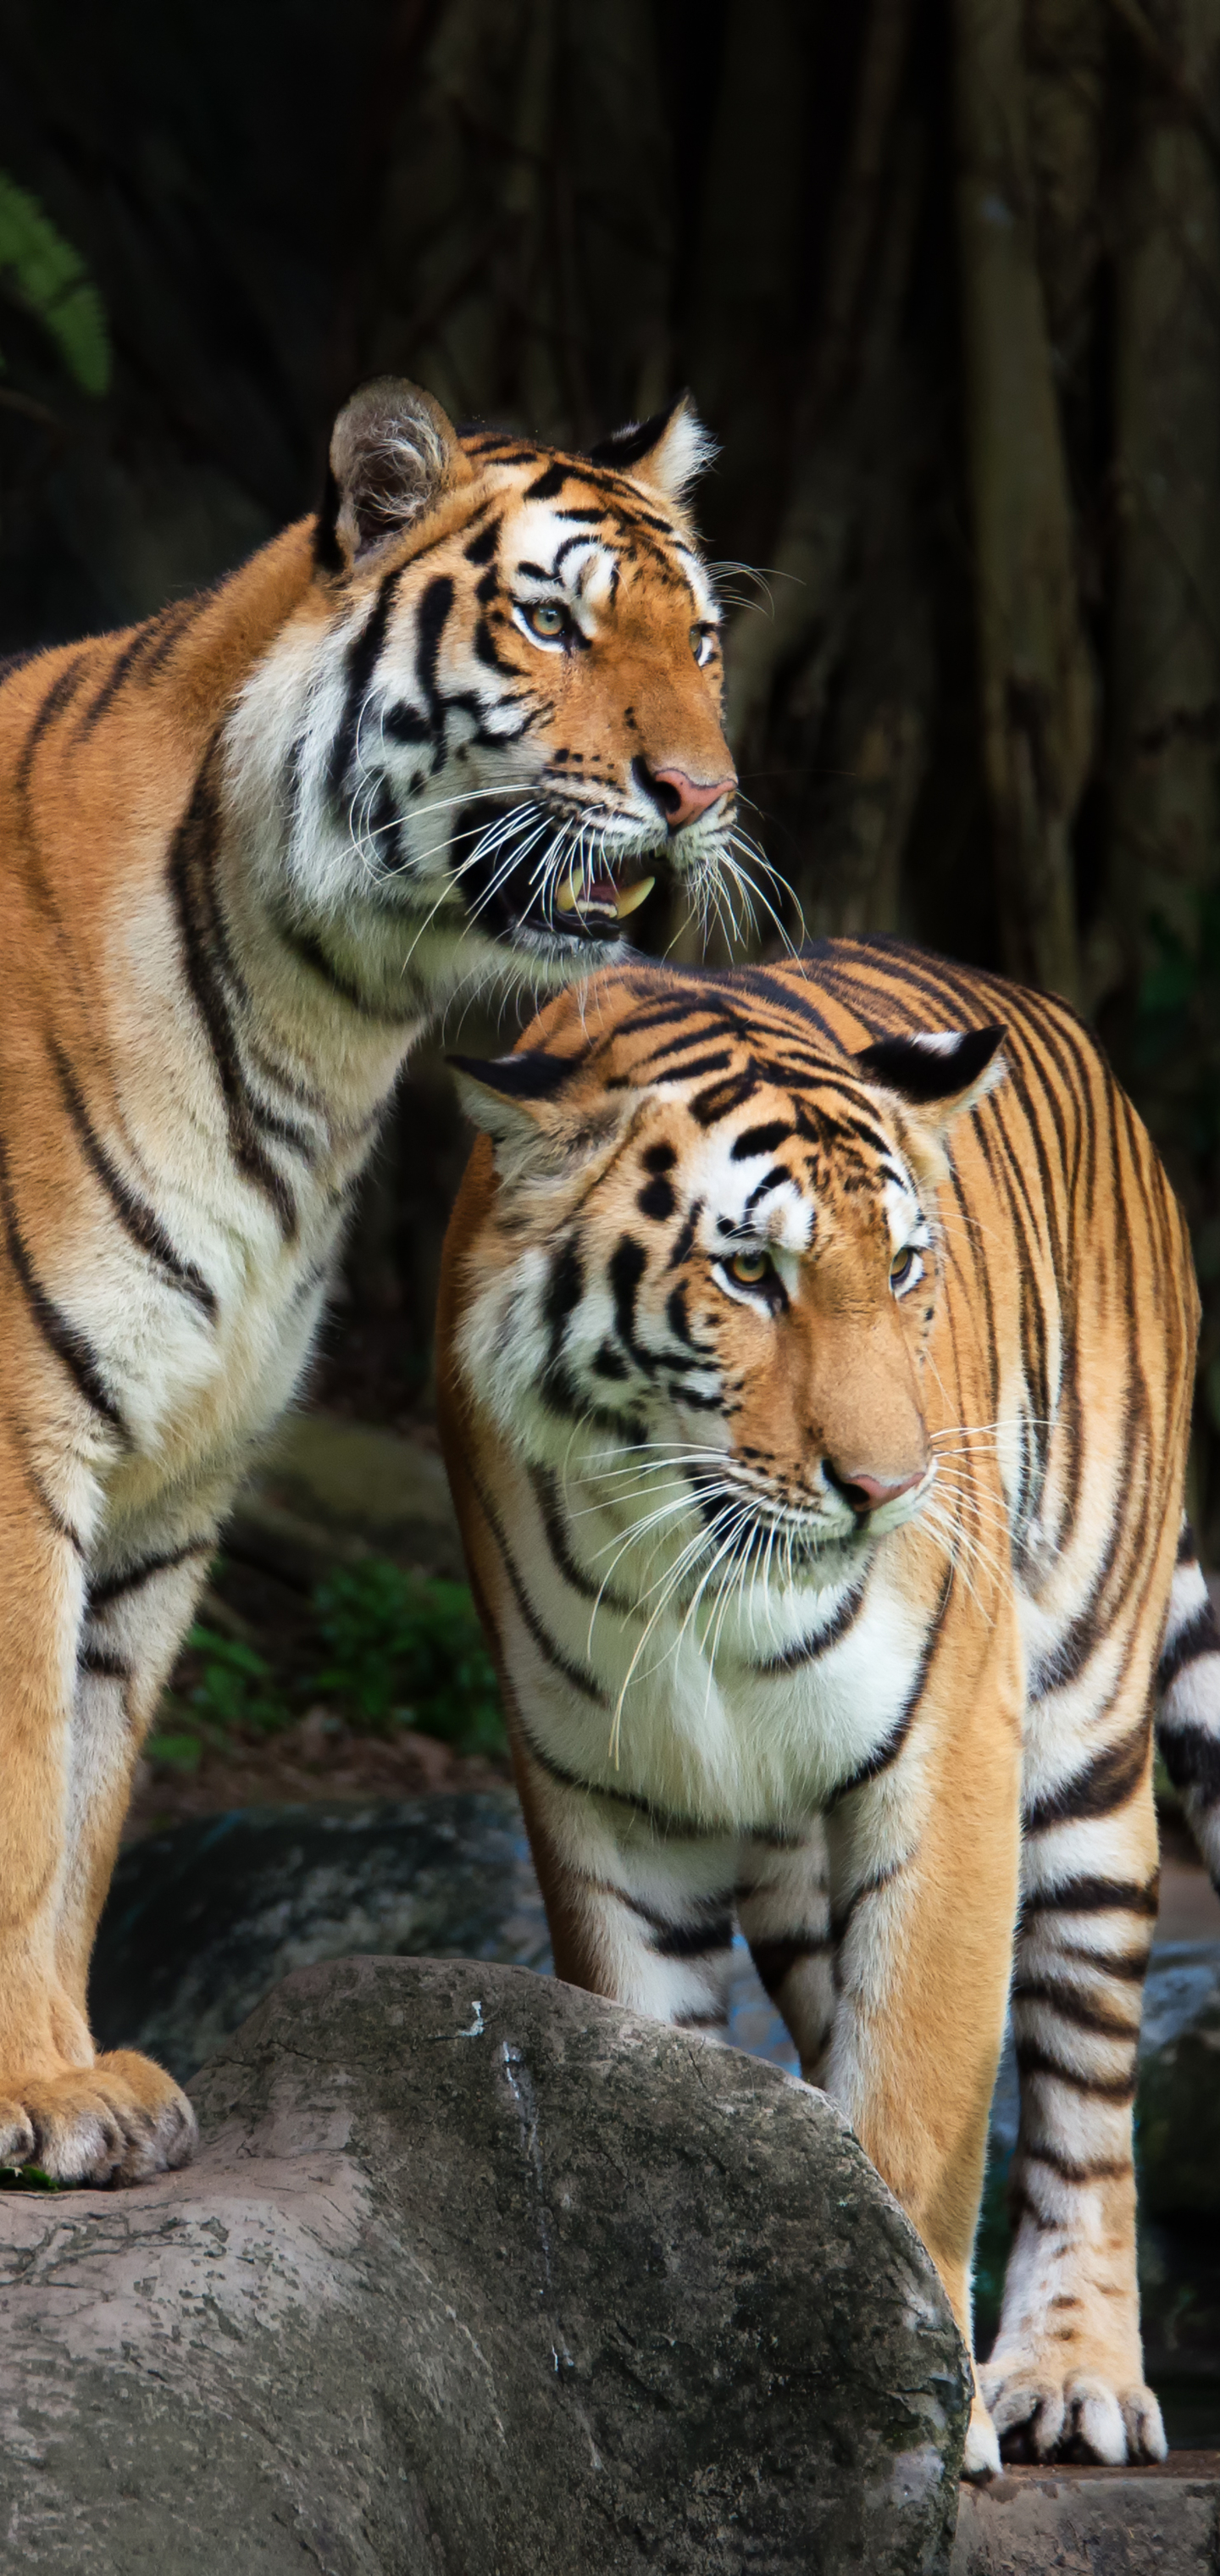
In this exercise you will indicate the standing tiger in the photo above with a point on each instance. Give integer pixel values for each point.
(816, 1350)
(447, 730)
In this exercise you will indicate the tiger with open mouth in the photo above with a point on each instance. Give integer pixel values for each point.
(449, 731)
(816, 1353)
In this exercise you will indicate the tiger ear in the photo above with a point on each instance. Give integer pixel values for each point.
(939, 1073)
(517, 1101)
(502, 1094)
(394, 453)
(667, 452)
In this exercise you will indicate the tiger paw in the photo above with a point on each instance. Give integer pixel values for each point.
(981, 2457)
(1040, 2415)
(120, 2120)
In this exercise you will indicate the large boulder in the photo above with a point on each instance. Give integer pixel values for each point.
(476, 2275)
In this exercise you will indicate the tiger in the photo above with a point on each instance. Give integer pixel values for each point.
(815, 1356)
(445, 733)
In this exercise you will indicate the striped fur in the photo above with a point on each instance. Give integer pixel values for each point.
(816, 1406)
(249, 849)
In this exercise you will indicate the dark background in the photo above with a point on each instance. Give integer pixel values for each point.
(945, 282)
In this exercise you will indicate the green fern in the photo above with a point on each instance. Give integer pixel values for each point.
(40, 270)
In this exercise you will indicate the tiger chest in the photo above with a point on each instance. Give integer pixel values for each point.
(750, 1723)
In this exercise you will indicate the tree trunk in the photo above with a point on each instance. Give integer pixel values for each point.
(1035, 686)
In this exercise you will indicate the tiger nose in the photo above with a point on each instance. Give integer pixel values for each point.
(682, 799)
(868, 1493)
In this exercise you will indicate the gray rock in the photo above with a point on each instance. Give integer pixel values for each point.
(1091, 2522)
(477, 2275)
(349, 1478)
(202, 1922)
(1179, 2097)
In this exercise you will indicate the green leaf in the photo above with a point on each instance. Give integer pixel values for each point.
(28, 2178)
(50, 279)
(408, 1648)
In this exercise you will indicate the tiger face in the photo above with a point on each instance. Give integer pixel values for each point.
(726, 1276)
(515, 727)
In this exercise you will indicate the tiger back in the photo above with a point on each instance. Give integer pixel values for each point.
(816, 1346)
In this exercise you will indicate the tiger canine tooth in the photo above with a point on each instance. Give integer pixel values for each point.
(633, 896)
(573, 896)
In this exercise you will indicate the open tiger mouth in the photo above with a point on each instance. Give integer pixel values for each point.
(515, 897)
(593, 898)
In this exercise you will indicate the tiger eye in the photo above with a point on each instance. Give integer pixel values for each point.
(748, 1268)
(546, 619)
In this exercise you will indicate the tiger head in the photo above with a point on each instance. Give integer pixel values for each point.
(712, 1262)
(512, 725)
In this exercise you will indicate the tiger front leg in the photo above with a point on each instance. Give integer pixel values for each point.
(923, 1883)
(1066, 2377)
(74, 1700)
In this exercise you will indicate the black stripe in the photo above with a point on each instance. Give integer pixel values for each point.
(1021, 2206)
(1071, 2006)
(142, 642)
(776, 1959)
(1199, 1636)
(114, 1587)
(172, 625)
(1092, 1896)
(1105, 1783)
(62, 689)
(102, 1665)
(806, 1650)
(627, 1265)
(1129, 1965)
(548, 485)
(760, 1140)
(208, 966)
(1083, 2169)
(663, 1821)
(363, 655)
(310, 952)
(721, 1098)
(695, 1940)
(72, 1348)
(578, 1675)
(841, 1915)
(431, 618)
(139, 1220)
(555, 1529)
(891, 1746)
(1032, 2060)
(62, 1528)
